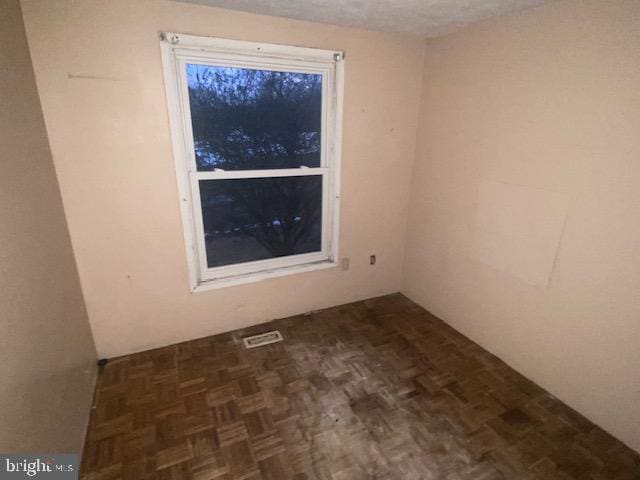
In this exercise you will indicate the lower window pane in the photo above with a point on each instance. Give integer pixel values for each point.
(252, 219)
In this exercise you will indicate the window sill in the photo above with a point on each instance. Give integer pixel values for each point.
(213, 284)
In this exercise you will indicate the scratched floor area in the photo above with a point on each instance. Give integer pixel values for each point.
(378, 389)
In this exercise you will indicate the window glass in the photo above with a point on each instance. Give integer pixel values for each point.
(245, 119)
(252, 219)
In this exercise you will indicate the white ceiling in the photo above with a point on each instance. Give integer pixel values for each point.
(422, 17)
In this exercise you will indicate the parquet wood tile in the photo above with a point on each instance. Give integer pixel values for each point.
(378, 389)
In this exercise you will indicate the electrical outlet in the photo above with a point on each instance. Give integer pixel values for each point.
(372, 260)
(344, 263)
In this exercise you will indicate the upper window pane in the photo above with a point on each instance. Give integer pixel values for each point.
(245, 119)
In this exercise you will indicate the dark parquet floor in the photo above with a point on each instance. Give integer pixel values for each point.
(378, 389)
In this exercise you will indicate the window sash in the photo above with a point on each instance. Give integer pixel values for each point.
(223, 271)
(272, 172)
(327, 87)
(178, 51)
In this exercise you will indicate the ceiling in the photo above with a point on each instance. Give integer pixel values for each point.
(428, 18)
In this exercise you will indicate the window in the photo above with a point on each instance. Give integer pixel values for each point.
(256, 141)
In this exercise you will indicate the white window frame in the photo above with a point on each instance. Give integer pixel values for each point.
(177, 51)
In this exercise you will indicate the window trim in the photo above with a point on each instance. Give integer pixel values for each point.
(177, 50)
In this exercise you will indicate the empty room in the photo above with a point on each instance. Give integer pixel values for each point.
(320, 240)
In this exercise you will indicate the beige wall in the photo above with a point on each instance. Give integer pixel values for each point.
(47, 356)
(524, 229)
(99, 73)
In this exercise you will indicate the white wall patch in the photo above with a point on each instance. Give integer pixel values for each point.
(518, 229)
